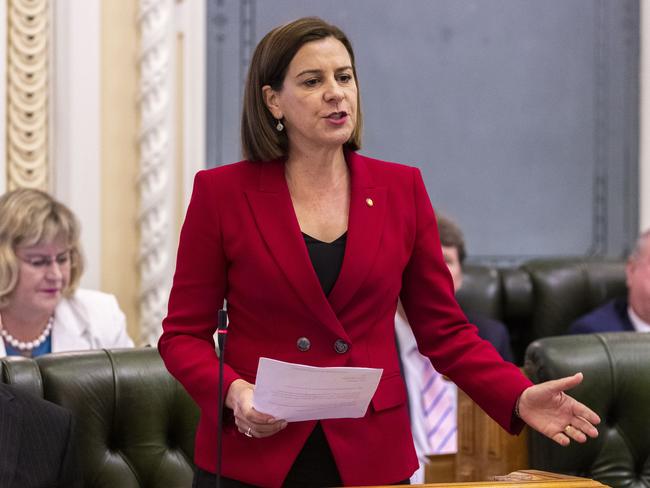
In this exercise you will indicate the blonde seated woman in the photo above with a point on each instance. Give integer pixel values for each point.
(42, 310)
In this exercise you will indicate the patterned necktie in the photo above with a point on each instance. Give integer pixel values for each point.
(438, 408)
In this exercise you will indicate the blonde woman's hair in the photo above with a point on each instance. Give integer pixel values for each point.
(31, 217)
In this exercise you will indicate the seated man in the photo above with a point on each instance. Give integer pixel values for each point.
(453, 250)
(35, 442)
(621, 314)
(432, 398)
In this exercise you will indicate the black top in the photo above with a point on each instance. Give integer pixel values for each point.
(327, 259)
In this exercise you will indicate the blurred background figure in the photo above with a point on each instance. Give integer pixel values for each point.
(433, 398)
(453, 250)
(625, 314)
(42, 309)
(36, 448)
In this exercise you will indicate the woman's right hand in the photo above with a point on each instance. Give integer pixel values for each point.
(249, 421)
(547, 409)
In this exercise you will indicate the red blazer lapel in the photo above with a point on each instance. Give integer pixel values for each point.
(277, 223)
(368, 204)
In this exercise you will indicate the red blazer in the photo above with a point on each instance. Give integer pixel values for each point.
(241, 241)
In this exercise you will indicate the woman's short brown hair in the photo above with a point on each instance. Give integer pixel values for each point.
(259, 138)
(30, 217)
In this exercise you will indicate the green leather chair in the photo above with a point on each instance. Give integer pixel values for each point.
(542, 297)
(565, 289)
(616, 386)
(135, 424)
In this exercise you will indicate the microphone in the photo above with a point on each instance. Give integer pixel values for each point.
(222, 332)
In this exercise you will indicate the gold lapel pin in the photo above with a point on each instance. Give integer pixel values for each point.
(369, 202)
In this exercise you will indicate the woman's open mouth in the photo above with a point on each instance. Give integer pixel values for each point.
(338, 118)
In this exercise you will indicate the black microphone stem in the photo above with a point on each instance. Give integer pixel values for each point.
(222, 331)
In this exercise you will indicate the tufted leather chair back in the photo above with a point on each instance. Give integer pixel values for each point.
(135, 424)
(616, 386)
(540, 298)
(566, 289)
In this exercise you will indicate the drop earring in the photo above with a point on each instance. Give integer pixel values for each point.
(279, 127)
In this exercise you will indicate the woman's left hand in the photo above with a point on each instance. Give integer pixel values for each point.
(547, 409)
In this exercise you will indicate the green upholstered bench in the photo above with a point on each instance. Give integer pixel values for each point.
(135, 423)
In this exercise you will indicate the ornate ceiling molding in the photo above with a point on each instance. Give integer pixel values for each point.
(27, 93)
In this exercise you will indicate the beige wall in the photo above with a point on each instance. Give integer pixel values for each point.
(119, 155)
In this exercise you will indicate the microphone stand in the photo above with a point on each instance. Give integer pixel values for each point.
(222, 331)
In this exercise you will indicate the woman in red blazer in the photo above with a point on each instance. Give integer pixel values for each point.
(311, 245)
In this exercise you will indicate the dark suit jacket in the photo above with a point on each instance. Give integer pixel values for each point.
(35, 442)
(611, 317)
(241, 241)
(495, 332)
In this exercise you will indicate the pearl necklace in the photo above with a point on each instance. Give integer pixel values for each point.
(29, 345)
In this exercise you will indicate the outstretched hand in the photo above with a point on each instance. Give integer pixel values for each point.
(547, 409)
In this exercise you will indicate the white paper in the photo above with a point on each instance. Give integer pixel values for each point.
(296, 392)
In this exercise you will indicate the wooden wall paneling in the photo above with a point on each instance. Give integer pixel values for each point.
(485, 450)
(522, 115)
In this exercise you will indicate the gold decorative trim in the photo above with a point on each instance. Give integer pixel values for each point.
(27, 93)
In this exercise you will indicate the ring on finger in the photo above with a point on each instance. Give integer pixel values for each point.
(248, 433)
(567, 428)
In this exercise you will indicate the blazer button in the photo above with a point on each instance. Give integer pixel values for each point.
(341, 346)
(303, 344)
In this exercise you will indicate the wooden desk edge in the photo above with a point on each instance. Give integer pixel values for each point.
(538, 479)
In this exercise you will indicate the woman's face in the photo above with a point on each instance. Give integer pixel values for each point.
(318, 98)
(44, 275)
